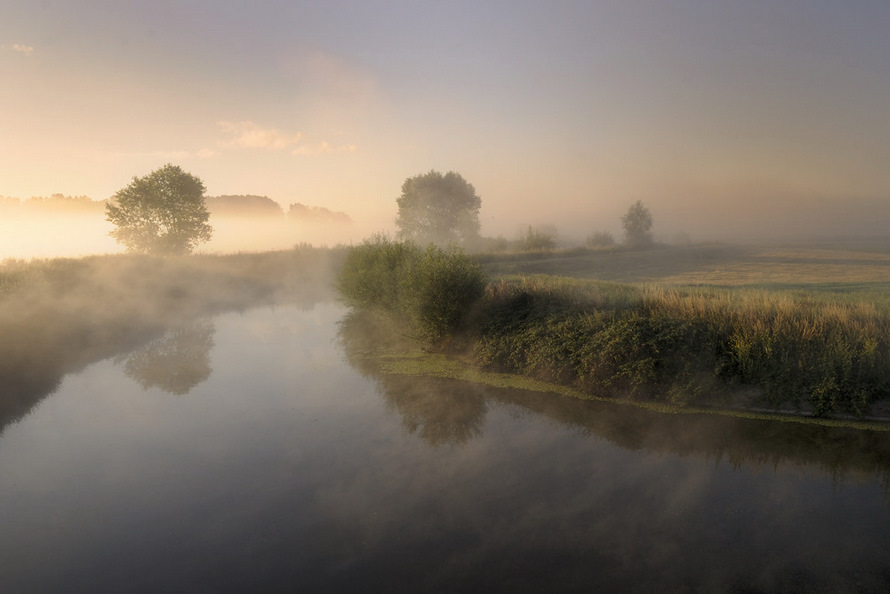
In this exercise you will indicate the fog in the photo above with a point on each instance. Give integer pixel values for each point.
(753, 220)
(51, 236)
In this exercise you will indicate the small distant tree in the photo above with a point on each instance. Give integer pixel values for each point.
(160, 213)
(637, 222)
(439, 209)
(600, 239)
(538, 239)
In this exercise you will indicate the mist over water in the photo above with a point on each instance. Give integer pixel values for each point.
(58, 236)
(283, 457)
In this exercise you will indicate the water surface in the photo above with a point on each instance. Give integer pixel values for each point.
(246, 453)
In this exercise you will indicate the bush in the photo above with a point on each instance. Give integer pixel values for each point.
(537, 239)
(373, 273)
(600, 239)
(431, 290)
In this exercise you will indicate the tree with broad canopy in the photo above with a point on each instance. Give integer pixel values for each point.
(439, 209)
(161, 213)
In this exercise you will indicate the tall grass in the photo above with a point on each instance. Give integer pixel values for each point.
(829, 352)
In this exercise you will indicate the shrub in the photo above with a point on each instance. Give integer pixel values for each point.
(537, 239)
(600, 239)
(442, 287)
(432, 290)
(373, 273)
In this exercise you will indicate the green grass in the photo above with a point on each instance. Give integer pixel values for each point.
(713, 265)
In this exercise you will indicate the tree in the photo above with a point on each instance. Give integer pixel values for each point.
(637, 223)
(161, 213)
(439, 209)
(538, 239)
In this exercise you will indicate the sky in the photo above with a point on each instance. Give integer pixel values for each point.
(721, 117)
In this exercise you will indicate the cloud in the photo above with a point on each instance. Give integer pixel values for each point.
(246, 134)
(324, 148)
(168, 156)
(23, 49)
(249, 135)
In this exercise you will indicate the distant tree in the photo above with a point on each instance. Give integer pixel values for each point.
(439, 209)
(538, 239)
(160, 213)
(637, 222)
(600, 239)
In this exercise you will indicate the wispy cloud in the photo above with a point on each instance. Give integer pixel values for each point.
(323, 148)
(249, 135)
(23, 49)
(171, 156)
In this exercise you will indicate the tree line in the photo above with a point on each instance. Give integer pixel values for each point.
(166, 212)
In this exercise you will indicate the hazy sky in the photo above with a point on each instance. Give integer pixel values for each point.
(559, 112)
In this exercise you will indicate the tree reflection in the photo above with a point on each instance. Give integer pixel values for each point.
(450, 411)
(176, 362)
(438, 410)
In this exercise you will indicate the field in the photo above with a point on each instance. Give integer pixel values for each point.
(835, 268)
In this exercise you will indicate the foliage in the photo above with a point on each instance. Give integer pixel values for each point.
(432, 290)
(161, 213)
(374, 273)
(637, 222)
(439, 209)
(600, 239)
(538, 239)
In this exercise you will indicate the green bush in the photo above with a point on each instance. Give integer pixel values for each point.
(374, 272)
(432, 290)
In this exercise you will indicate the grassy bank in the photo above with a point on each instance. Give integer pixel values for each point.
(821, 351)
(824, 353)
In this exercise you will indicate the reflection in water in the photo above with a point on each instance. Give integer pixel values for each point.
(441, 412)
(176, 362)
(284, 470)
(451, 411)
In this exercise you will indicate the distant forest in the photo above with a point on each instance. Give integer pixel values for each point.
(238, 206)
(262, 206)
(243, 206)
(57, 203)
(301, 212)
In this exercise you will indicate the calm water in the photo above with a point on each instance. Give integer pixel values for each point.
(254, 452)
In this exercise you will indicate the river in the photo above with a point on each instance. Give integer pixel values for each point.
(250, 452)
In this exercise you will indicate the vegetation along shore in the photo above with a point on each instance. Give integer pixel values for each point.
(820, 350)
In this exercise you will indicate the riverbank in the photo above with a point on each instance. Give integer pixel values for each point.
(817, 352)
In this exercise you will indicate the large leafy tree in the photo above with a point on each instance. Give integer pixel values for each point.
(637, 222)
(439, 209)
(160, 213)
